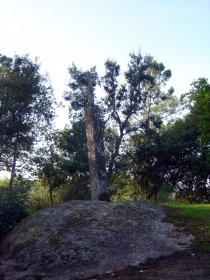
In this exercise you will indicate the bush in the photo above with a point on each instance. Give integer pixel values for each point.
(12, 209)
(38, 196)
(74, 191)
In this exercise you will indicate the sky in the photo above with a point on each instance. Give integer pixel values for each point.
(87, 32)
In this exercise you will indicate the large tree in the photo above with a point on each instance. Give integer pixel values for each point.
(26, 109)
(127, 106)
(84, 84)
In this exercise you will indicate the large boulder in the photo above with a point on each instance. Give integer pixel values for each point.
(80, 239)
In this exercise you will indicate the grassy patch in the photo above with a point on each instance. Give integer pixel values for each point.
(196, 218)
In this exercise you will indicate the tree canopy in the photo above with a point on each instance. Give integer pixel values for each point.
(147, 145)
(127, 106)
(26, 109)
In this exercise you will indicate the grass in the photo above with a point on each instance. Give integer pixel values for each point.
(192, 211)
(194, 217)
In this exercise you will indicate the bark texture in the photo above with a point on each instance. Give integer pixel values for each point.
(98, 174)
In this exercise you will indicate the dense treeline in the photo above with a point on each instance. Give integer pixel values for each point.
(156, 146)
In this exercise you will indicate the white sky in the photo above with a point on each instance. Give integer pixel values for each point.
(87, 32)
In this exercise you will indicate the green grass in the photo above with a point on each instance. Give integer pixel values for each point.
(192, 211)
(194, 217)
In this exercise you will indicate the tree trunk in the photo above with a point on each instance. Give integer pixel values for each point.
(113, 158)
(98, 174)
(51, 196)
(15, 151)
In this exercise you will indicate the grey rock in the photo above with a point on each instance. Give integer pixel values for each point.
(80, 239)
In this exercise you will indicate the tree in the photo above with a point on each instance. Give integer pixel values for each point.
(188, 162)
(83, 84)
(198, 100)
(127, 107)
(63, 162)
(173, 156)
(148, 162)
(71, 149)
(49, 171)
(26, 109)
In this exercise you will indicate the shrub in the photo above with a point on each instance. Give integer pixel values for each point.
(74, 191)
(38, 196)
(12, 208)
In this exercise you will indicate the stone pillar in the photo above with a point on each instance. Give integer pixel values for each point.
(98, 174)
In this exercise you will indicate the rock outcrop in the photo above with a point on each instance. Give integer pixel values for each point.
(80, 239)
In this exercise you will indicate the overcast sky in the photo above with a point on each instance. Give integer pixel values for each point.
(87, 32)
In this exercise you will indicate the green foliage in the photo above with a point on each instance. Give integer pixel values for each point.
(127, 106)
(143, 155)
(125, 188)
(198, 101)
(199, 96)
(78, 88)
(26, 110)
(141, 90)
(38, 196)
(71, 145)
(188, 162)
(174, 156)
(13, 208)
(62, 168)
(147, 162)
(4, 183)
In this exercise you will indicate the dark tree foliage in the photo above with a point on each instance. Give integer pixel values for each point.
(72, 152)
(77, 96)
(173, 156)
(71, 146)
(198, 101)
(65, 162)
(147, 162)
(26, 109)
(128, 106)
(13, 207)
(188, 162)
